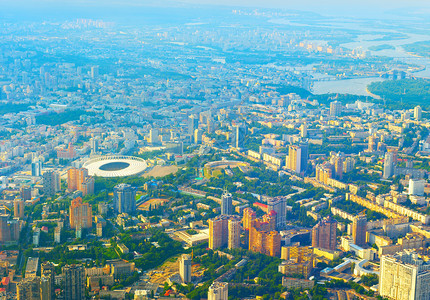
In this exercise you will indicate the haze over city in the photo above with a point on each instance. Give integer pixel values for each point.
(219, 150)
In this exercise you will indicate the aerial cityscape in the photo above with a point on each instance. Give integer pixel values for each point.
(201, 151)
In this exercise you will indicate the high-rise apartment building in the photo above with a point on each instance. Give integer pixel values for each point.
(28, 289)
(404, 276)
(124, 198)
(226, 204)
(218, 232)
(297, 160)
(18, 208)
(51, 183)
(193, 124)
(80, 214)
(239, 136)
(185, 268)
(218, 291)
(248, 216)
(74, 282)
(233, 233)
(335, 108)
(25, 192)
(418, 112)
(78, 180)
(278, 205)
(389, 164)
(324, 234)
(47, 283)
(359, 229)
(263, 238)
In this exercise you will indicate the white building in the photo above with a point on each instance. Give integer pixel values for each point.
(218, 291)
(185, 268)
(404, 277)
(416, 187)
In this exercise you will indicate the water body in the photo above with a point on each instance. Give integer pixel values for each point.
(347, 86)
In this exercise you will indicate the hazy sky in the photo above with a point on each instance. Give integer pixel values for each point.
(371, 8)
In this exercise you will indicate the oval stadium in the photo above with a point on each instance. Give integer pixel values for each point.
(115, 166)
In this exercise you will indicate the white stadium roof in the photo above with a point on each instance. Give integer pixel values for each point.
(115, 166)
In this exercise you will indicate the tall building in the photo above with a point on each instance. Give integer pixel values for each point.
(94, 143)
(298, 158)
(28, 289)
(373, 143)
(74, 282)
(359, 229)
(324, 234)
(185, 268)
(389, 164)
(18, 208)
(78, 180)
(47, 282)
(36, 168)
(193, 124)
(239, 136)
(80, 214)
(404, 276)
(25, 192)
(124, 198)
(416, 187)
(94, 72)
(233, 233)
(51, 183)
(4, 228)
(418, 112)
(153, 136)
(226, 204)
(198, 134)
(249, 215)
(218, 232)
(278, 205)
(304, 130)
(263, 238)
(335, 108)
(218, 291)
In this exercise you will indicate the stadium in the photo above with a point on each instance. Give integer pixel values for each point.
(115, 166)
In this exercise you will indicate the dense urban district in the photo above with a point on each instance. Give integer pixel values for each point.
(194, 160)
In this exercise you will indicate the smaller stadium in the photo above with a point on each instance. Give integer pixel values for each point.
(115, 166)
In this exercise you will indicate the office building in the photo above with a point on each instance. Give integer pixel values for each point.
(359, 229)
(185, 268)
(124, 198)
(389, 164)
(233, 233)
(404, 276)
(278, 205)
(18, 208)
(218, 232)
(418, 112)
(218, 291)
(335, 109)
(324, 234)
(74, 282)
(36, 168)
(304, 130)
(226, 204)
(51, 183)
